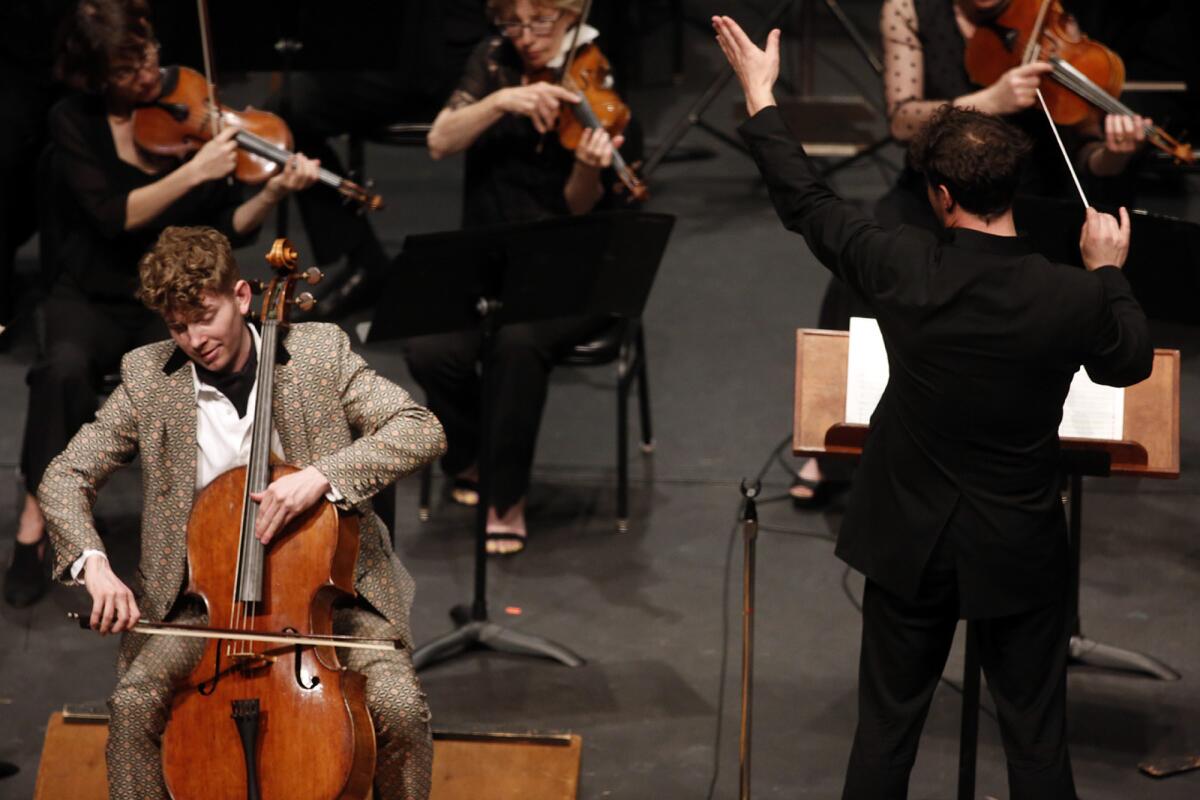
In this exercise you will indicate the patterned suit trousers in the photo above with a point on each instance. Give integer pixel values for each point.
(139, 705)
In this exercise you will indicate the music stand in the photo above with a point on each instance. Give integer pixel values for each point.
(484, 278)
(1149, 449)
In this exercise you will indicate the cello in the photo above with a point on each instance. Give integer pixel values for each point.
(268, 712)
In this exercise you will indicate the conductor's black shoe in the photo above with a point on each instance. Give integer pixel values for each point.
(26, 580)
(359, 290)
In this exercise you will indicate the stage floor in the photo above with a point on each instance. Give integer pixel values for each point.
(655, 612)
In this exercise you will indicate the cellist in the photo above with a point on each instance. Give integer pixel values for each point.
(106, 201)
(185, 406)
(516, 171)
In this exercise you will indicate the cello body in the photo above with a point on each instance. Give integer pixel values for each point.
(313, 742)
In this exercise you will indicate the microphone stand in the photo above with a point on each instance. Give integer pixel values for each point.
(749, 536)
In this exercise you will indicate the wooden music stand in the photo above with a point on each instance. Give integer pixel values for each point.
(1149, 449)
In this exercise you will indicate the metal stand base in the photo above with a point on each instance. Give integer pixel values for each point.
(1106, 656)
(481, 634)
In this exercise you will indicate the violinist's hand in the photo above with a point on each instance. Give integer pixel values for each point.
(216, 159)
(285, 499)
(300, 172)
(1125, 134)
(1104, 242)
(539, 101)
(1016, 89)
(756, 69)
(113, 607)
(595, 148)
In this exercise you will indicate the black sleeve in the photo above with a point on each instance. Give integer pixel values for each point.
(84, 172)
(1122, 355)
(849, 243)
(228, 196)
(476, 82)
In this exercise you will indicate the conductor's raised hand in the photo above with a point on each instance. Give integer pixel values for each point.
(285, 499)
(540, 101)
(1104, 240)
(757, 68)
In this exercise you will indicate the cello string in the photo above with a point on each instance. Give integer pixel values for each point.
(1063, 150)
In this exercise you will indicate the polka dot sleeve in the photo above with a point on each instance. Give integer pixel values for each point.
(904, 70)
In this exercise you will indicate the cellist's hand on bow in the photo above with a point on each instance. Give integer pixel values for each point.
(285, 499)
(113, 606)
(595, 148)
(539, 101)
(757, 69)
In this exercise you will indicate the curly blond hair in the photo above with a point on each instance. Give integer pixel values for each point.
(502, 8)
(185, 264)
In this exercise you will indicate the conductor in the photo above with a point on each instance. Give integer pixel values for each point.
(955, 511)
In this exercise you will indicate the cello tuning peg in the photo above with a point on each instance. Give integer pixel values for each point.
(313, 276)
(305, 301)
(256, 286)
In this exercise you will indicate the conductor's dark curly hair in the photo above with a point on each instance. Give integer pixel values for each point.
(978, 158)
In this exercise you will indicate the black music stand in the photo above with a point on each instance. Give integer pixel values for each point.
(488, 277)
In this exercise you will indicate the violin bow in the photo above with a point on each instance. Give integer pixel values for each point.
(1032, 51)
(565, 69)
(207, 51)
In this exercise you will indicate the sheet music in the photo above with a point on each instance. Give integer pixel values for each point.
(866, 370)
(1091, 411)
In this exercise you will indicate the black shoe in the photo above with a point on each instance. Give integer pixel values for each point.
(359, 290)
(26, 580)
(8, 770)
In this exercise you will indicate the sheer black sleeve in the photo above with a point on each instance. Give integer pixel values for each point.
(84, 171)
(481, 74)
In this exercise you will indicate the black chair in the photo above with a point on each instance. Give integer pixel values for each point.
(622, 343)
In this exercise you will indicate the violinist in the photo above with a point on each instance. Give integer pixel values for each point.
(504, 118)
(106, 202)
(186, 405)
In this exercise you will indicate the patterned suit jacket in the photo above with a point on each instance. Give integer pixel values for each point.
(330, 409)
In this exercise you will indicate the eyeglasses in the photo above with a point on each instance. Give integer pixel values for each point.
(514, 28)
(127, 73)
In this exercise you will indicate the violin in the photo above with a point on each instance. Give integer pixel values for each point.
(1087, 78)
(588, 73)
(185, 116)
(300, 725)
